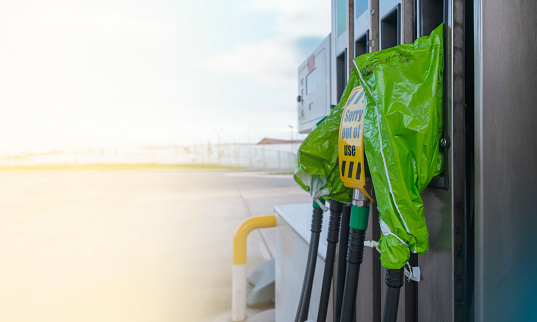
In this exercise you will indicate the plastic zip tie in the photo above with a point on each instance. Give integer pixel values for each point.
(386, 231)
(372, 244)
(413, 273)
(318, 194)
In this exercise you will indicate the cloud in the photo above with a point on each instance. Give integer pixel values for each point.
(269, 62)
(125, 71)
(300, 26)
(297, 18)
(306, 45)
(72, 19)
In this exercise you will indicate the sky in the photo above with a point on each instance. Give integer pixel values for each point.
(117, 73)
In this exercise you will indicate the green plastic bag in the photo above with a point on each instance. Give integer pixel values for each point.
(317, 169)
(402, 132)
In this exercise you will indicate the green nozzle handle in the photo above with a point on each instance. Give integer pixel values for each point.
(359, 218)
(316, 205)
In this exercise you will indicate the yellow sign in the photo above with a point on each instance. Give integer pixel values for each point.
(351, 142)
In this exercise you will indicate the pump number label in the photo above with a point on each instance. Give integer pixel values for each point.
(351, 142)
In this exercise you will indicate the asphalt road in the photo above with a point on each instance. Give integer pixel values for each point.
(127, 246)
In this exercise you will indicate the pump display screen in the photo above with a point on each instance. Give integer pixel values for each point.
(351, 142)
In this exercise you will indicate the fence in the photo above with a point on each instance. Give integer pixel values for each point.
(276, 157)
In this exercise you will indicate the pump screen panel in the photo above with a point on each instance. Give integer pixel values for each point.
(314, 88)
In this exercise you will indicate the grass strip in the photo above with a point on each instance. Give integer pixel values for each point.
(119, 167)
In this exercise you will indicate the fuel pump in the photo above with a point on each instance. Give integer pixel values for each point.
(352, 174)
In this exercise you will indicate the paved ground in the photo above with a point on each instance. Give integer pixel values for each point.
(127, 246)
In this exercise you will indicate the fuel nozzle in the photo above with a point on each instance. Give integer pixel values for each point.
(355, 252)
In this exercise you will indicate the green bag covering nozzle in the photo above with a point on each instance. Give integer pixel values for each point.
(317, 169)
(402, 131)
(317, 165)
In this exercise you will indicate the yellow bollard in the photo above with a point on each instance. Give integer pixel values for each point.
(238, 282)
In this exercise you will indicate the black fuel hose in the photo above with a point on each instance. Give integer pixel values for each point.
(394, 280)
(333, 238)
(355, 255)
(342, 259)
(316, 225)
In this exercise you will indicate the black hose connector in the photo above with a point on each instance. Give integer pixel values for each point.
(355, 249)
(395, 278)
(317, 220)
(335, 222)
(394, 281)
(304, 303)
(333, 237)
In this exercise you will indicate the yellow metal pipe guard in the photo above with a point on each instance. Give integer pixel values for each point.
(238, 283)
(239, 240)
